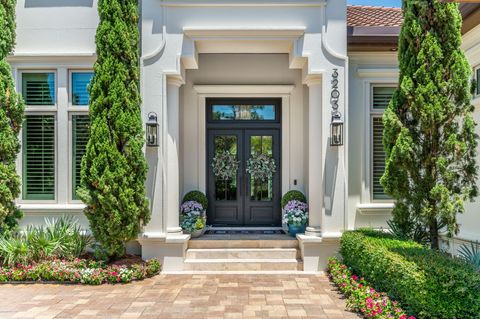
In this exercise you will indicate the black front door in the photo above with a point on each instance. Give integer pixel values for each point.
(243, 200)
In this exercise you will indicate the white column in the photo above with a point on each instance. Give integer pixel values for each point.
(172, 155)
(315, 162)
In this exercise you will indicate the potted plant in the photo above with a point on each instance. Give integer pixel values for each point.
(193, 213)
(295, 215)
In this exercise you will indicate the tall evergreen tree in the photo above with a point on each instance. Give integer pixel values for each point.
(429, 133)
(11, 117)
(114, 168)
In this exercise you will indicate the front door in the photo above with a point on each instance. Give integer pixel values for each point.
(239, 198)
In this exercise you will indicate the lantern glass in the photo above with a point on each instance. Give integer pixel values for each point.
(152, 130)
(336, 132)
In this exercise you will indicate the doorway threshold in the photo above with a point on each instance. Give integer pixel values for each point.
(245, 233)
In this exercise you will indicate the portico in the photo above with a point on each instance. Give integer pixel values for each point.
(284, 63)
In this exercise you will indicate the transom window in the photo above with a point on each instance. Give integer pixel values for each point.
(39, 88)
(80, 83)
(242, 110)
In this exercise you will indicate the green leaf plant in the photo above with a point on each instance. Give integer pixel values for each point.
(429, 132)
(114, 168)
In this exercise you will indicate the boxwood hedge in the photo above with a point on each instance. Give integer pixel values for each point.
(428, 283)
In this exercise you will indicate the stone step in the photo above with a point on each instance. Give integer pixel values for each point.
(288, 264)
(243, 253)
(243, 243)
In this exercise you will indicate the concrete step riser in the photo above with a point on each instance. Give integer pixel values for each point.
(241, 266)
(216, 244)
(226, 253)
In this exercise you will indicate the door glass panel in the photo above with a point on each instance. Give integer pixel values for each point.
(225, 189)
(249, 112)
(261, 190)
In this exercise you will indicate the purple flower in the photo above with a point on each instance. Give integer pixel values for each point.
(191, 206)
(295, 205)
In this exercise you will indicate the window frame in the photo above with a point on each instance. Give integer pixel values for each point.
(71, 106)
(374, 113)
(39, 108)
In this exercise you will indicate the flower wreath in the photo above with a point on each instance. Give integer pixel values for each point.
(261, 167)
(225, 166)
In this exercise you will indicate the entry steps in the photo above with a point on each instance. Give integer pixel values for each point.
(243, 256)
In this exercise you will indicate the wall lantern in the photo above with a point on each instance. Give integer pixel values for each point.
(152, 129)
(336, 130)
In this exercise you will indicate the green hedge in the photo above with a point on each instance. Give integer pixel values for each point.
(428, 283)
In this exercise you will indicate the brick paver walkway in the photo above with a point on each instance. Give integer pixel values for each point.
(180, 296)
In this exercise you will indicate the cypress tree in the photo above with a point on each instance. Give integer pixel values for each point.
(11, 117)
(429, 132)
(114, 168)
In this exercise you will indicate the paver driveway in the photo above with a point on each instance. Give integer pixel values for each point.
(180, 296)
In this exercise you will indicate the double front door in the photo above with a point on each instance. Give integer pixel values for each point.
(242, 199)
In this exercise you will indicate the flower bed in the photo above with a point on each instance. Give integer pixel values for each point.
(361, 297)
(82, 271)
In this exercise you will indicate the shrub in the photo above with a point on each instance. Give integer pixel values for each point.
(114, 168)
(361, 297)
(471, 254)
(428, 283)
(11, 118)
(196, 196)
(60, 238)
(293, 195)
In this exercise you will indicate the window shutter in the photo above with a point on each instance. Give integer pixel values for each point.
(80, 82)
(382, 97)
(38, 88)
(80, 124)
(378, 158)
(39, 157)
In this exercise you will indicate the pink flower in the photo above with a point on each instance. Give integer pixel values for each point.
(403, 316)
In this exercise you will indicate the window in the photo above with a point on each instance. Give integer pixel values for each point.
(237, 110)
(80, 133)
(38, 88)
(381, 96)
(39, 157)
(80, 82)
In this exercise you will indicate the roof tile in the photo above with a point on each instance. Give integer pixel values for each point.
(368, 16)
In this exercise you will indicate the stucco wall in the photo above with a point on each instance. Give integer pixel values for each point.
(366, 69)
(54, 27)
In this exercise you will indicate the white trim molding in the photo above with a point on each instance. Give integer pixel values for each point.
(244, 3)
(52, 208)
(243, 89)
(375, 208)
(378, 73)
